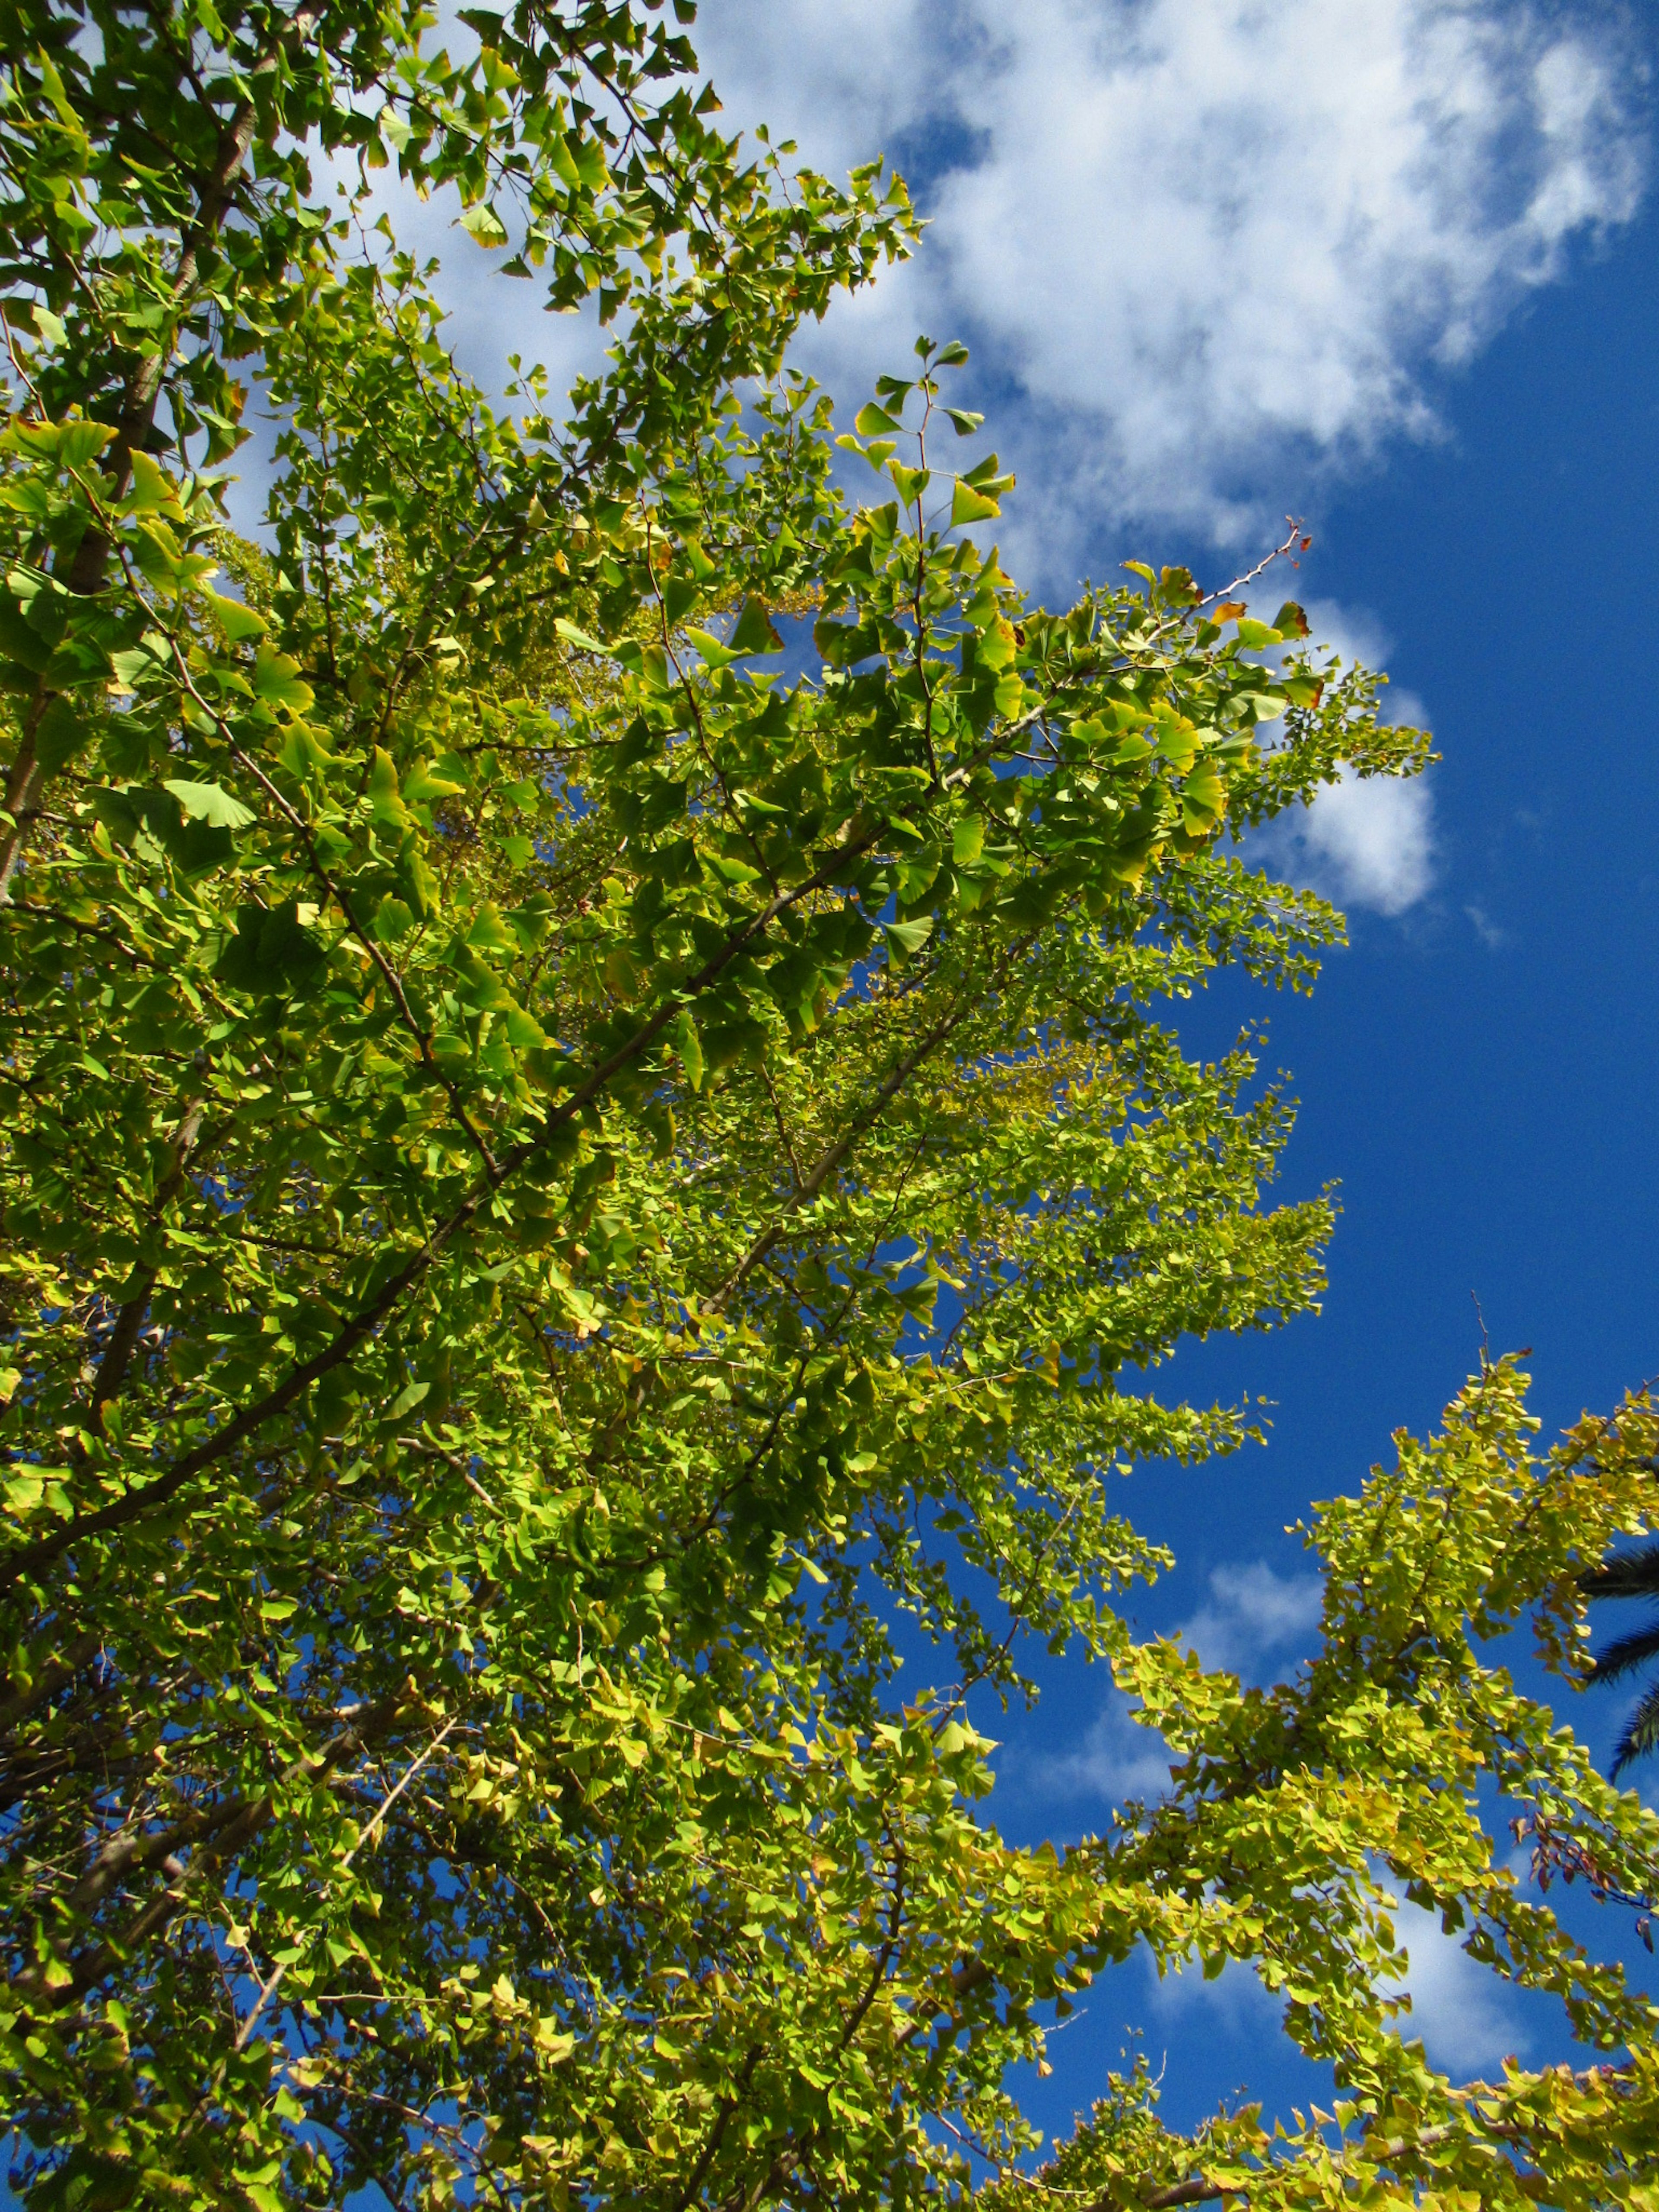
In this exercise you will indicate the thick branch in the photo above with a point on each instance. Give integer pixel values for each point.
(138, 404)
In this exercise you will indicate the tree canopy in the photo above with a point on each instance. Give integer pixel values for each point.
(576, 1171)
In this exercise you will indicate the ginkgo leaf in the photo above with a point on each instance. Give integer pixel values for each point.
(236, 620)
(754, 632)
(277, 680)
(906, 937)
(208, 802)
(483, 224)
(968, 505)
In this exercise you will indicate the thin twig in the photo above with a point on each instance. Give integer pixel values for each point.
(268, 1990)
(1278, 553)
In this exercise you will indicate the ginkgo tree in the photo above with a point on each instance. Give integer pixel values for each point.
(562, 1184)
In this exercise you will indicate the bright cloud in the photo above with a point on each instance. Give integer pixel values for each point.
(1208, 254)
(1213, 245)
(1115, 1758)
(1463, 2012)
(1206, 249)
(1365, 842)
(1234, 2000)
(1252, 1614)
(1465, 2015)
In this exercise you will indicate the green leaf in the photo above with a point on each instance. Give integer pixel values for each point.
(271, 951)
(482, 223)
(690, 1049)
(411, 1394)
(153, 491)
(967, 839)
(234, 619)
(393, 918)
(984, 478)
(970, 506)
(63, 733)
(423, 784)
(591, 167)
(1302, 691)
(131, 666)
(679, 595)
(580, 639)
(277, 680)
(1203, 799)
(965, 423)
(712, 650)
(208, 802)
(82, 442)
(753, 632)
(873, 422)
(907, 936)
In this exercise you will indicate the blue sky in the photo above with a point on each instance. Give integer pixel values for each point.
(1393, 267)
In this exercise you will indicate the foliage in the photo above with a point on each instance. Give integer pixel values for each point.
(1293, 1809)
(564, 1188)
(1631, 1575)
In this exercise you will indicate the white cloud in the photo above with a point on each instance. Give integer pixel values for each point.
(1235, 1999)
(1253, 1613)
(1115, 1758)
(846, 78)
(1463, 2012)
(1363, 841)
(1206, 249)
(1214, 246)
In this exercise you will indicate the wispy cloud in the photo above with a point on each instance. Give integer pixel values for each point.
(1253, 1620)
(1209, 247)
(1235, 2000)
(1466, 2016)
(1254, 1614)
(1210, 253)
(1363, 842)
(1113, 1761)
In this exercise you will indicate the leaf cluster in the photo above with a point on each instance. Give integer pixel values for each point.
(568, 1189)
